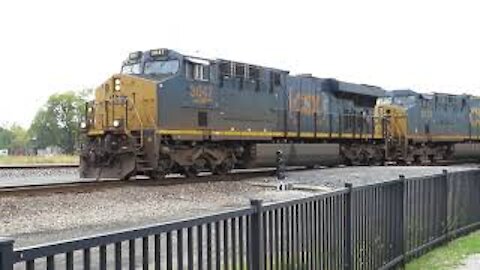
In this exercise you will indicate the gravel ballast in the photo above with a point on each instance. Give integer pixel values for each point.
(15, 177)
(44, 218)
(358, 176)
(38, 219)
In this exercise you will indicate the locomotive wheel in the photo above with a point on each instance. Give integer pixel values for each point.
(363, 158)
(190, 172)
(225, 167)
(200, 164)
(164, 168)
(157, 175)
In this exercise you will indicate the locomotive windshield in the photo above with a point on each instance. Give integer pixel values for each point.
(163, 67)
(131, 69)
(384, 101)
(406, 101)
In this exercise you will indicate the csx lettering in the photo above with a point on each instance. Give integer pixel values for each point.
(201, 94)
(305, 104)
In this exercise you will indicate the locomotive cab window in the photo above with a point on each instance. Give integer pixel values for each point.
(161, 67)
(200, 72)
(197, 69)
(131, 69)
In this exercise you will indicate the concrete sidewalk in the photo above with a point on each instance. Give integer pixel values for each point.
(472, 262)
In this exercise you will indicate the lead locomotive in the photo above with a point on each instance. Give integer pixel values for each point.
(171, 113)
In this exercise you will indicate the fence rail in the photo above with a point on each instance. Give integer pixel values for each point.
(379, 226)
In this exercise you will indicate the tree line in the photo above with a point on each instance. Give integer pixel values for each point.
(56, 123)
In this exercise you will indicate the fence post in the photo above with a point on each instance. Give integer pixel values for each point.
(6, 253)
(404, 223)
(256, 237)
(447, 206)
(348, 225)
(280, 162)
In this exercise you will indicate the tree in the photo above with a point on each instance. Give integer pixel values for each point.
(57, 123)
(21, 140)
(44, 130)
(20, 136)
(6, 138)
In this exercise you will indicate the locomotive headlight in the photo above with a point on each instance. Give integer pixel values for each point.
(117, 84)
(116, 123)
(83, 125)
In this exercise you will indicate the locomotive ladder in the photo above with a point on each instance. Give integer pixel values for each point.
(394, 136)
(142, 163)
(136, 135)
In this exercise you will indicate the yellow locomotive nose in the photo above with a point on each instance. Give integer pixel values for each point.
(123, 103)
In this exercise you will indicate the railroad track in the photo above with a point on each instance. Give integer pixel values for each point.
(89, 185)
(37, 166)
(72, 165)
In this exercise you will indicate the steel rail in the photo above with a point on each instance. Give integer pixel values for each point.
(76, 165)
(38, 166)
(89, 185)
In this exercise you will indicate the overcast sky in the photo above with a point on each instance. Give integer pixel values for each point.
(53, 46)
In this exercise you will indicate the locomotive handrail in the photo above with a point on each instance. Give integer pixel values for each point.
(140, 121)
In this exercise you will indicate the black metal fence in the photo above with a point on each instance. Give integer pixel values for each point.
(378, 226)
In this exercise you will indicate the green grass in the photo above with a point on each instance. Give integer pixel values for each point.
(449, 256)
(58, 159)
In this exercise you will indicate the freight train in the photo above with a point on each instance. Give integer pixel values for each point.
(167, 112)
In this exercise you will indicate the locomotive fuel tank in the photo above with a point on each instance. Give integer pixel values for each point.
(467, 151)
(295, 154)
